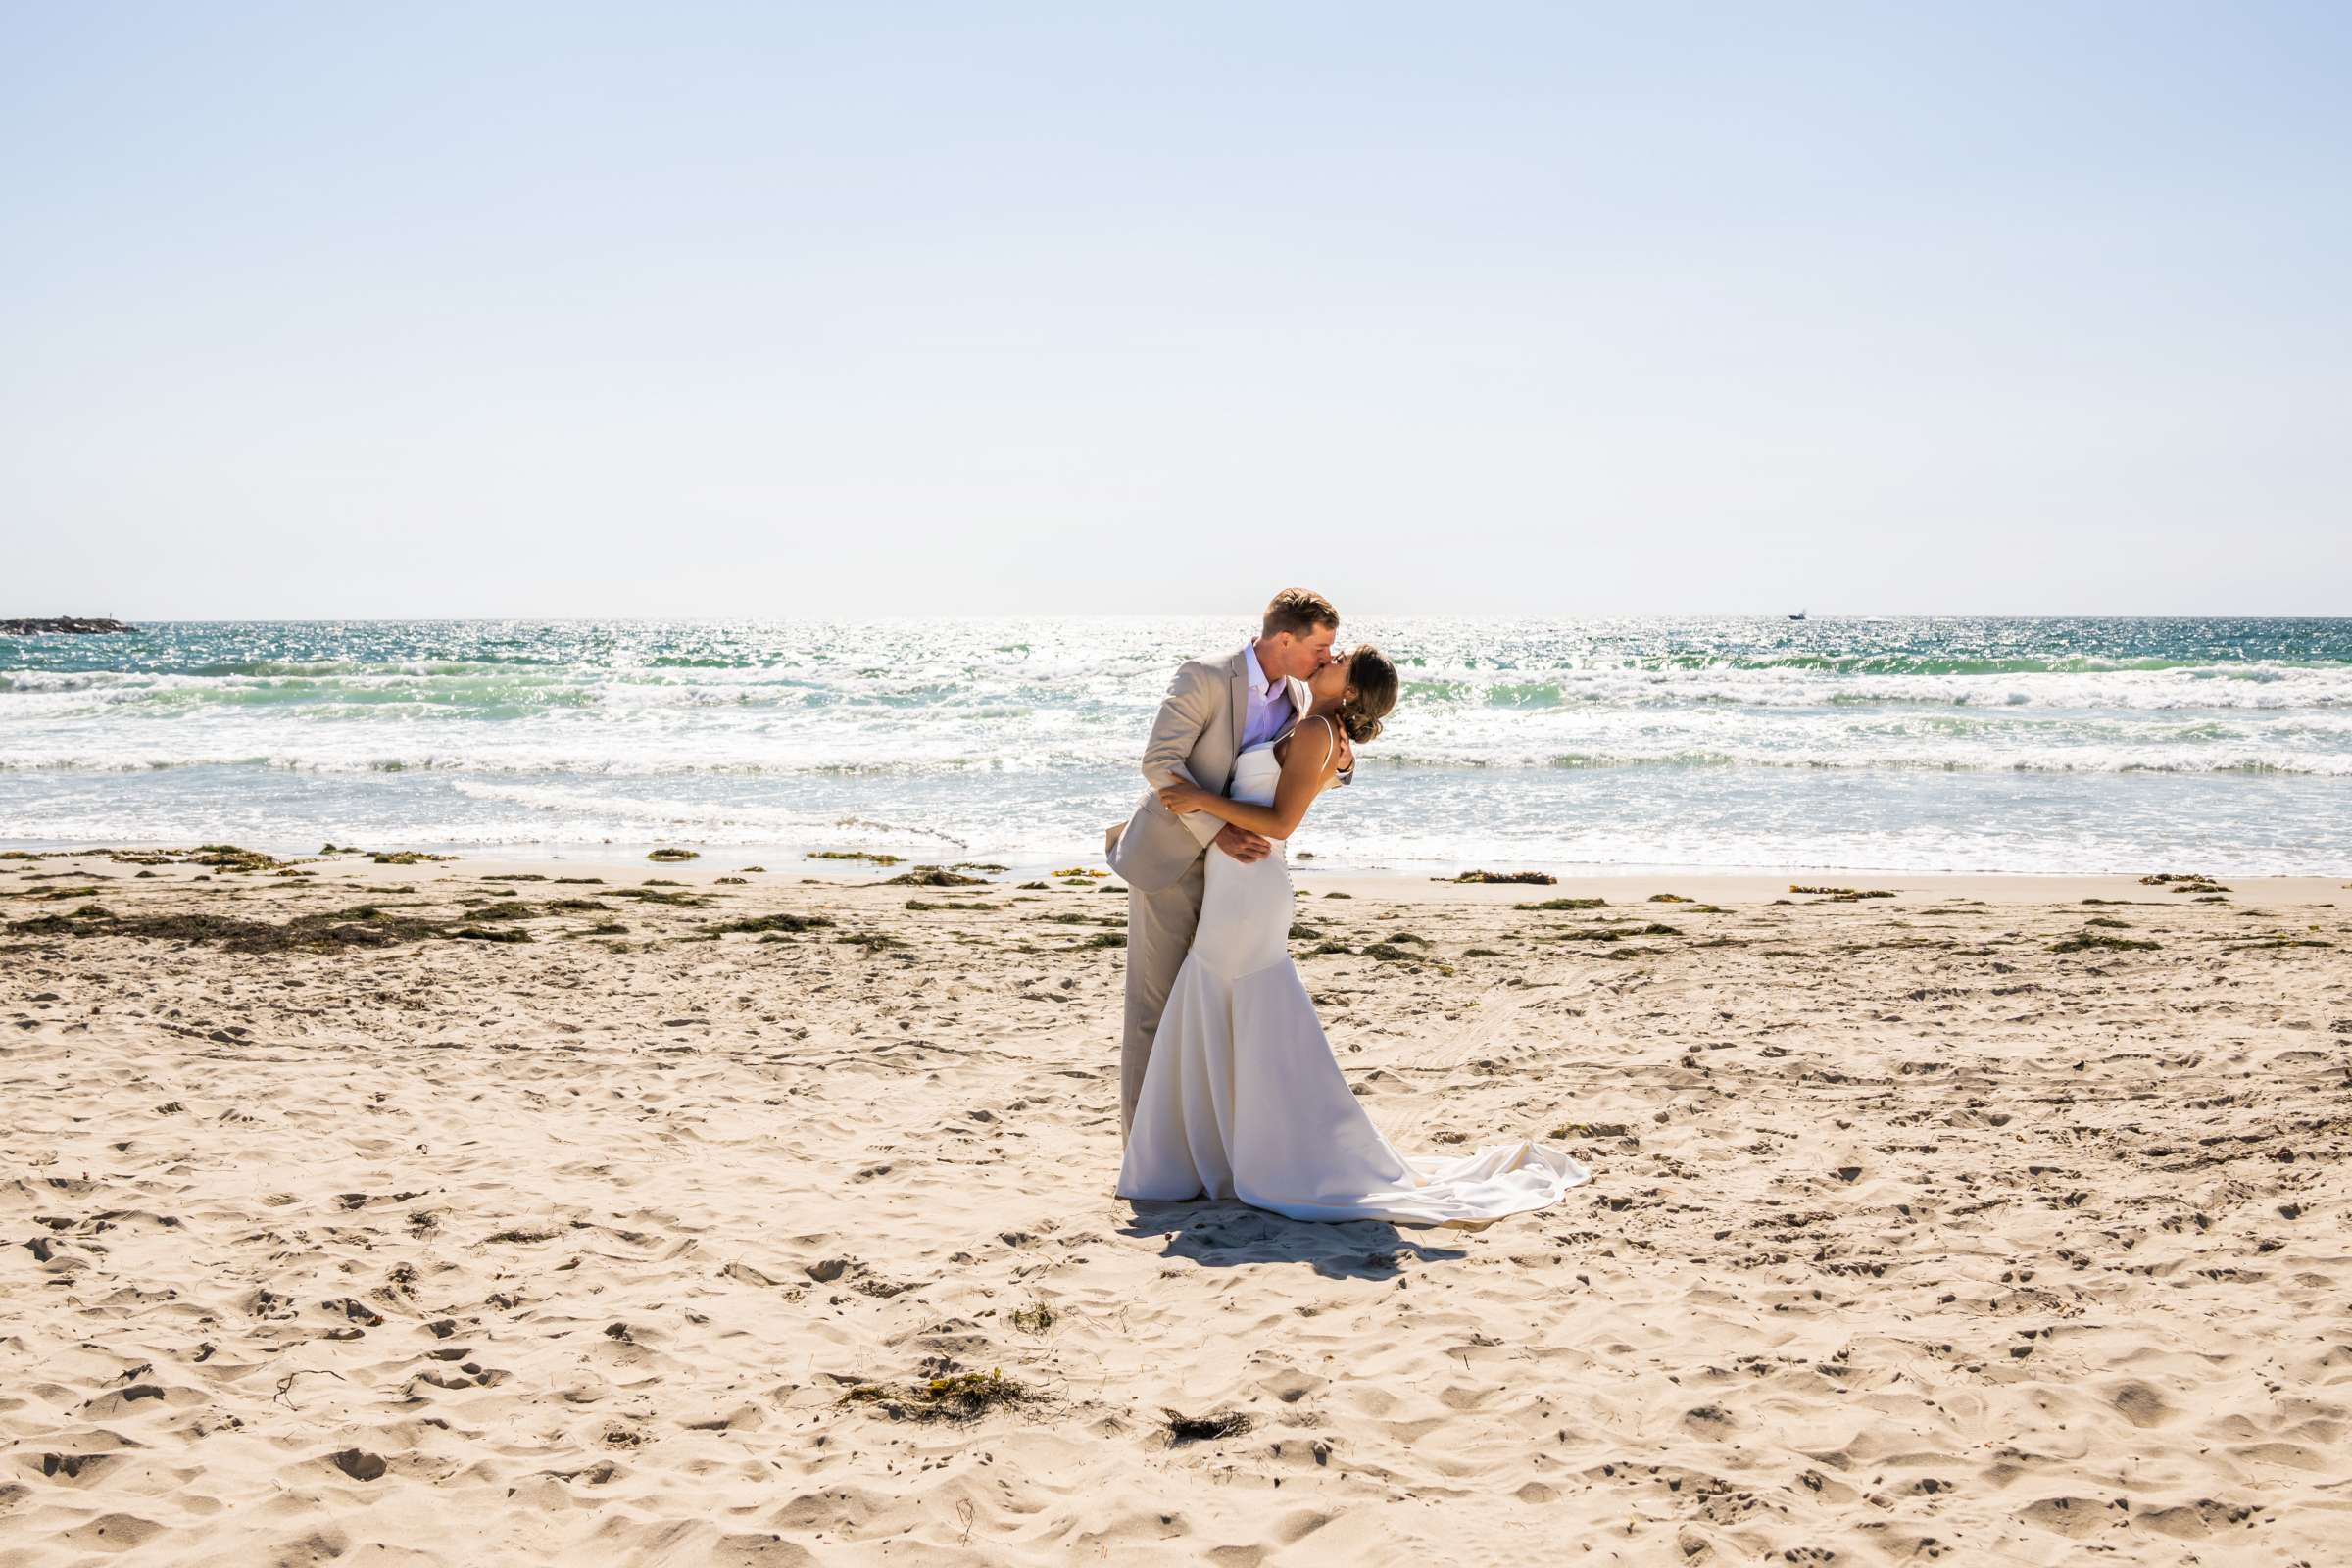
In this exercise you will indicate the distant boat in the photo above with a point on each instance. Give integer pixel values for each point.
(1800, 615)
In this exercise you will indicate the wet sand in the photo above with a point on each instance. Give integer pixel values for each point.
(380, 1237)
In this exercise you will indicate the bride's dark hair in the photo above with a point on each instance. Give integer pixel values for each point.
(1375, 681)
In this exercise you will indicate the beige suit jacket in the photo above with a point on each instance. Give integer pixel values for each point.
(1196, 737)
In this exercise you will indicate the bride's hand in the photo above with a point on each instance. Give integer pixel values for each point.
(1181, 797)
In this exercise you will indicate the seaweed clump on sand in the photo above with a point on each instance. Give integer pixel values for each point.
(674, 854)
(504, 909)
(366, 926)
(956, 1396)
(1211, 1428)
(1617, 933)
(2183, 882)
(1530, 878)
(934, 876)
(2094, 941)
(1843, 895)
(771, 922)
(406, 857)
(68, 923)
(658, 896)
(1564, 904)
(218, 856)
(230, 857)
(1390, 951)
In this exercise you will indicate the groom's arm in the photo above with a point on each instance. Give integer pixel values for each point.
(1192, 701)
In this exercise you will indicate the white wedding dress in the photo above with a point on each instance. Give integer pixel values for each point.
(1243, 1098)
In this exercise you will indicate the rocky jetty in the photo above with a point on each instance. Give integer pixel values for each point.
(73, 624)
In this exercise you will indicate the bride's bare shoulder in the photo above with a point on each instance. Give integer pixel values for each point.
(1323, 746)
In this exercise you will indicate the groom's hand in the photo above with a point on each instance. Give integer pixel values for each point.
(1242, 844)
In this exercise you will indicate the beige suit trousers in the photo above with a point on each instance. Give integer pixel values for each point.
(1159, 933)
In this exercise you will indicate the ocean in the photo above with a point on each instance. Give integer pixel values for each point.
(2222, 746)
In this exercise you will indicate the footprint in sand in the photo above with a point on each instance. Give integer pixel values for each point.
(2140, 1403)
(358, 1464)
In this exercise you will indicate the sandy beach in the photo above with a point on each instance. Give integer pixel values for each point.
(579, 1212)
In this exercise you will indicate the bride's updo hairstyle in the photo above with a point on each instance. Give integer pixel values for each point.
(1375, 681)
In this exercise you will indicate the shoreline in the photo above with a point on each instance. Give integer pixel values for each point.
(1709, 885)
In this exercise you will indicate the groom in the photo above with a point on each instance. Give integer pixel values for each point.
(1215, 710)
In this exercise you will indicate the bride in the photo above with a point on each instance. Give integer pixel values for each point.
(1243, 1097)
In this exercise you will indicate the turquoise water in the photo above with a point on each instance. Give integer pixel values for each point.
(2007, 745)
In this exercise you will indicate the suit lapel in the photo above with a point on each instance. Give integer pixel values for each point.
(1237, 688)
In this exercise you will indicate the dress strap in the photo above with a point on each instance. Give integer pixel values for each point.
(1331, 738)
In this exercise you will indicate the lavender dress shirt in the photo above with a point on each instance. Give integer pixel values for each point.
(1269, 711)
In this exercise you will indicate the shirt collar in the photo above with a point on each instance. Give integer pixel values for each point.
(1257, 674)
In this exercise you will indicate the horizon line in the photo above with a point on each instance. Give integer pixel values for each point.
(1777, 617)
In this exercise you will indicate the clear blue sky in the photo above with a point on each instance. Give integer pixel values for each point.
(720, 308)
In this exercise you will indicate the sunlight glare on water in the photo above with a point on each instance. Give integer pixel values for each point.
(2017, 745)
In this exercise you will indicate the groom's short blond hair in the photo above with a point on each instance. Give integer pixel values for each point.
(1299, 611)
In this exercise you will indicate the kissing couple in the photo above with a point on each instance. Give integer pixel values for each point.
(1227, 1086)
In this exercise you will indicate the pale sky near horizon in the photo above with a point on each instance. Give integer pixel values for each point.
(737, 309)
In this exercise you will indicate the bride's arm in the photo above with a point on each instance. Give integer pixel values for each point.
(1305, 773)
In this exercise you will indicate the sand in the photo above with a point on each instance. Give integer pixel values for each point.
(1909, 1238)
